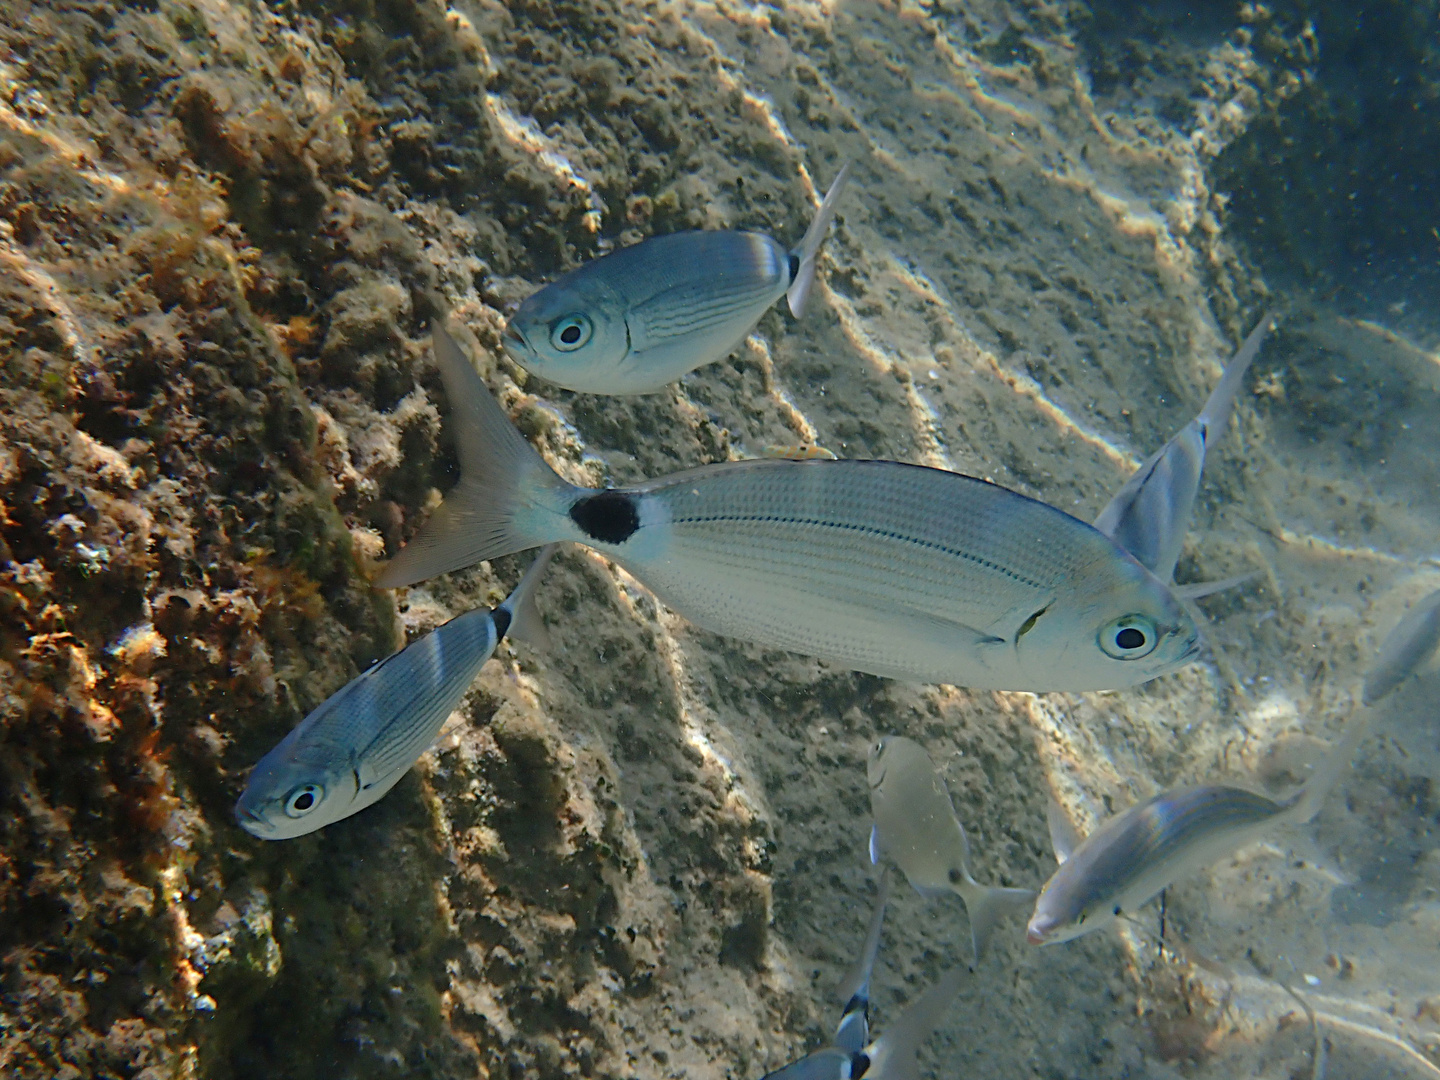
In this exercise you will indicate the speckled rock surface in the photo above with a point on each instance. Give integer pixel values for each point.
(224, 228)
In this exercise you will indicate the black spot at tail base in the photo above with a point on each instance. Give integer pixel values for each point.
(610, 517)
(501, 618)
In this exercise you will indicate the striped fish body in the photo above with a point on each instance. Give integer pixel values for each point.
(645, 315)
(896, 570)
(357, 744)
(361, 740)
(893, 569)
(1131, 857)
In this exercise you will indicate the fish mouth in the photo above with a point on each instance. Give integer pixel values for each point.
(515, 341)
(1033, 936)
(251, 821)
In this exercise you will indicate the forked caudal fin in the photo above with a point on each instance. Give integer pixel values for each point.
(987, 905)
(1306, 803)
(507, 498)
(809, 246)
(525, 622)
(892, 1055)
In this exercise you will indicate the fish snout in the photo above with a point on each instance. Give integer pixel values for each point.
(514, 340)
(1037, 931)
(251, 820)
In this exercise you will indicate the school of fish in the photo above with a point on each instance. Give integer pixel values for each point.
(885, 567)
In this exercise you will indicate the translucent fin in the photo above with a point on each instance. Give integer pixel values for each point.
(1221, 402)
(1150, 514)
(525, 622)
(1306, 803)
(852, 1032)
(809, 247)
(986, 906)
(874, 847)
(1404, 649)
(1064, 837)
(892, 1055)
(828, 1064)
(1194, 590)
(500, 474)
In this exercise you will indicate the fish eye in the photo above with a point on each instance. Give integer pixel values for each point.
(1129, 637)
(570, 332)
(303, 799)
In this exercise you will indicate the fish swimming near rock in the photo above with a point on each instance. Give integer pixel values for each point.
(853, 1031)
(892, 1055)
(1132, 856)
(897, 570)
(1404, 649)
(638, 318)
(356, 745)
(916, 827)
(1150, 515)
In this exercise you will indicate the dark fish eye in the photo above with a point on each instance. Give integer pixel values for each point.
(1129, 637)
(304, 799)
(571, 332)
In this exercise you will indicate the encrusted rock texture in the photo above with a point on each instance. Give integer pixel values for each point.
(224, 231)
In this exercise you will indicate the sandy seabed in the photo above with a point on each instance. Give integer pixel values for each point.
(224, 228)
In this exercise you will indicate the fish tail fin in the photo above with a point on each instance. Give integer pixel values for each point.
(526, 623)
(506, 491)
(1306, 803)
(1221, 403)
(987, 906)
(809, 247)
(892, 1055)
(857, 982)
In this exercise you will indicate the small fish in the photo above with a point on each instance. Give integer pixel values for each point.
(1137, 853)
(799, 452)
(634, 320)
(1150, 515)
(356, 745)
(892, 1055)
(853, 1031)
(1404, 649)
(897, 570)
(916, 826)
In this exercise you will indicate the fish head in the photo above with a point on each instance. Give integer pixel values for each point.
(875, 763)
(1116, 628)
(291, 793)
(572, 332)
(1060, 915)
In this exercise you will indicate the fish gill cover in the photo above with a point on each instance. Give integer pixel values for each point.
(224, 229)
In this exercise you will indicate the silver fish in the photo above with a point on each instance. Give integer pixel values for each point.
(634, 320)
(853, 1031)
(1404, 649)
(897, 570)
(892, 1055)
(1132, 856)
(916, 827)
(1150, 515)
(357, 744)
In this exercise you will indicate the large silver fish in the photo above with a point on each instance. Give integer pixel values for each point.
(1150, 515)
(1404, 649)
(357, 744)
(634, 320)
(1132, 856)
(916, 827)
(897, 570)
(892, 1055)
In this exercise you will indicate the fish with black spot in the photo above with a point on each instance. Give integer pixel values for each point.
(897, 570)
